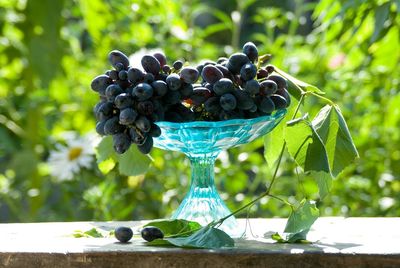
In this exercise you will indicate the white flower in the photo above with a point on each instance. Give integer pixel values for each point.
(68, 159)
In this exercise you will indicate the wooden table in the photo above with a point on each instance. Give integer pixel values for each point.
(338, 242)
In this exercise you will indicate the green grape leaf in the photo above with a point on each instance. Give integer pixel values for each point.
(206, 237)
(105, 150)
(300, 221)
(324, 182)
(273, 141)
(305, 146)
(297, 87)
(334, 133)
(133, 162)
(175, 227)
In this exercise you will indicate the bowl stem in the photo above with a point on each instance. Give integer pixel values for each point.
(203, 203)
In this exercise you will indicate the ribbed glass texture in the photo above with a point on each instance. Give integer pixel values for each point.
(202, 141)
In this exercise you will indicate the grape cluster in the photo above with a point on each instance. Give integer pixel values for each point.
(132, 100)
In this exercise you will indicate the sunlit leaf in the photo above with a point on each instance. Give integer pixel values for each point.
(176, 226)
(381, 15)
(305, 146)
(206, 237)
(133, 162)
(300, 221)
(332, 128)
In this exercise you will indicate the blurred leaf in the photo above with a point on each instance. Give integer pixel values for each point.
(133, 162)
(305, 146)
(89, 233)
(381, 15)
(301, 220)
(176, 226)
(43, 38)
(332, 129)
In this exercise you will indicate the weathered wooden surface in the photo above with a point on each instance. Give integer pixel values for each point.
(339, 242)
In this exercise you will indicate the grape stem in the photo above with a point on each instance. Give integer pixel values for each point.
(267, 192)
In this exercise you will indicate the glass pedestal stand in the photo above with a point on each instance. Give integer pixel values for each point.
(202, 141)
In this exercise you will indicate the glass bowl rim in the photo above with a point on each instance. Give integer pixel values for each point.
(232, 122)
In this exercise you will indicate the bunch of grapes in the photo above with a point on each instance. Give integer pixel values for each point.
(132, 100)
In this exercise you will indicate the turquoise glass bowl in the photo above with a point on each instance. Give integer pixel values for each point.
(202, 141)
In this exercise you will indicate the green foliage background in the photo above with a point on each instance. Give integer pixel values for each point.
(51, 49)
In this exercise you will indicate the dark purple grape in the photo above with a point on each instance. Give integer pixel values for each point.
(150, 64)
(200, 68)
(211, 74)
(228, 102)
(100, 83)
(145, 107)
(279, 80)
(124, 84)
(177, 65)
(209, 62)
(112, 126)
(155, 131)
(113, 75)
(173, 81)
(248, 71)
(186, 90)
(100, 128)
(268, 87)
(117, 56)
(253, 108)
(135, 75)
(143, 91)
(222, 59)
(261, 73)
(124, 100)
(105, 111)
(266, 105)
(284, 93)
(185, 112)
(145, 148)
(161, 58)
(143, 123)
(189, 75)
(148, 78)
(279, 101)
(200, 95)
(127, 116)
(112, 91)
(161, 77)
(236, 61)
(123, 234)
(270, 68)
(223, 86)
(251, 51)
(166, 69)
(119, 66)
(151, 233)
(226, 73)
(160, 87)
(252, 87)
(123, 75)
(136, 136)
(121, 142)
(158, 115)
(96, 109)
(244, 101)
(212, 105)
(172, 97)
